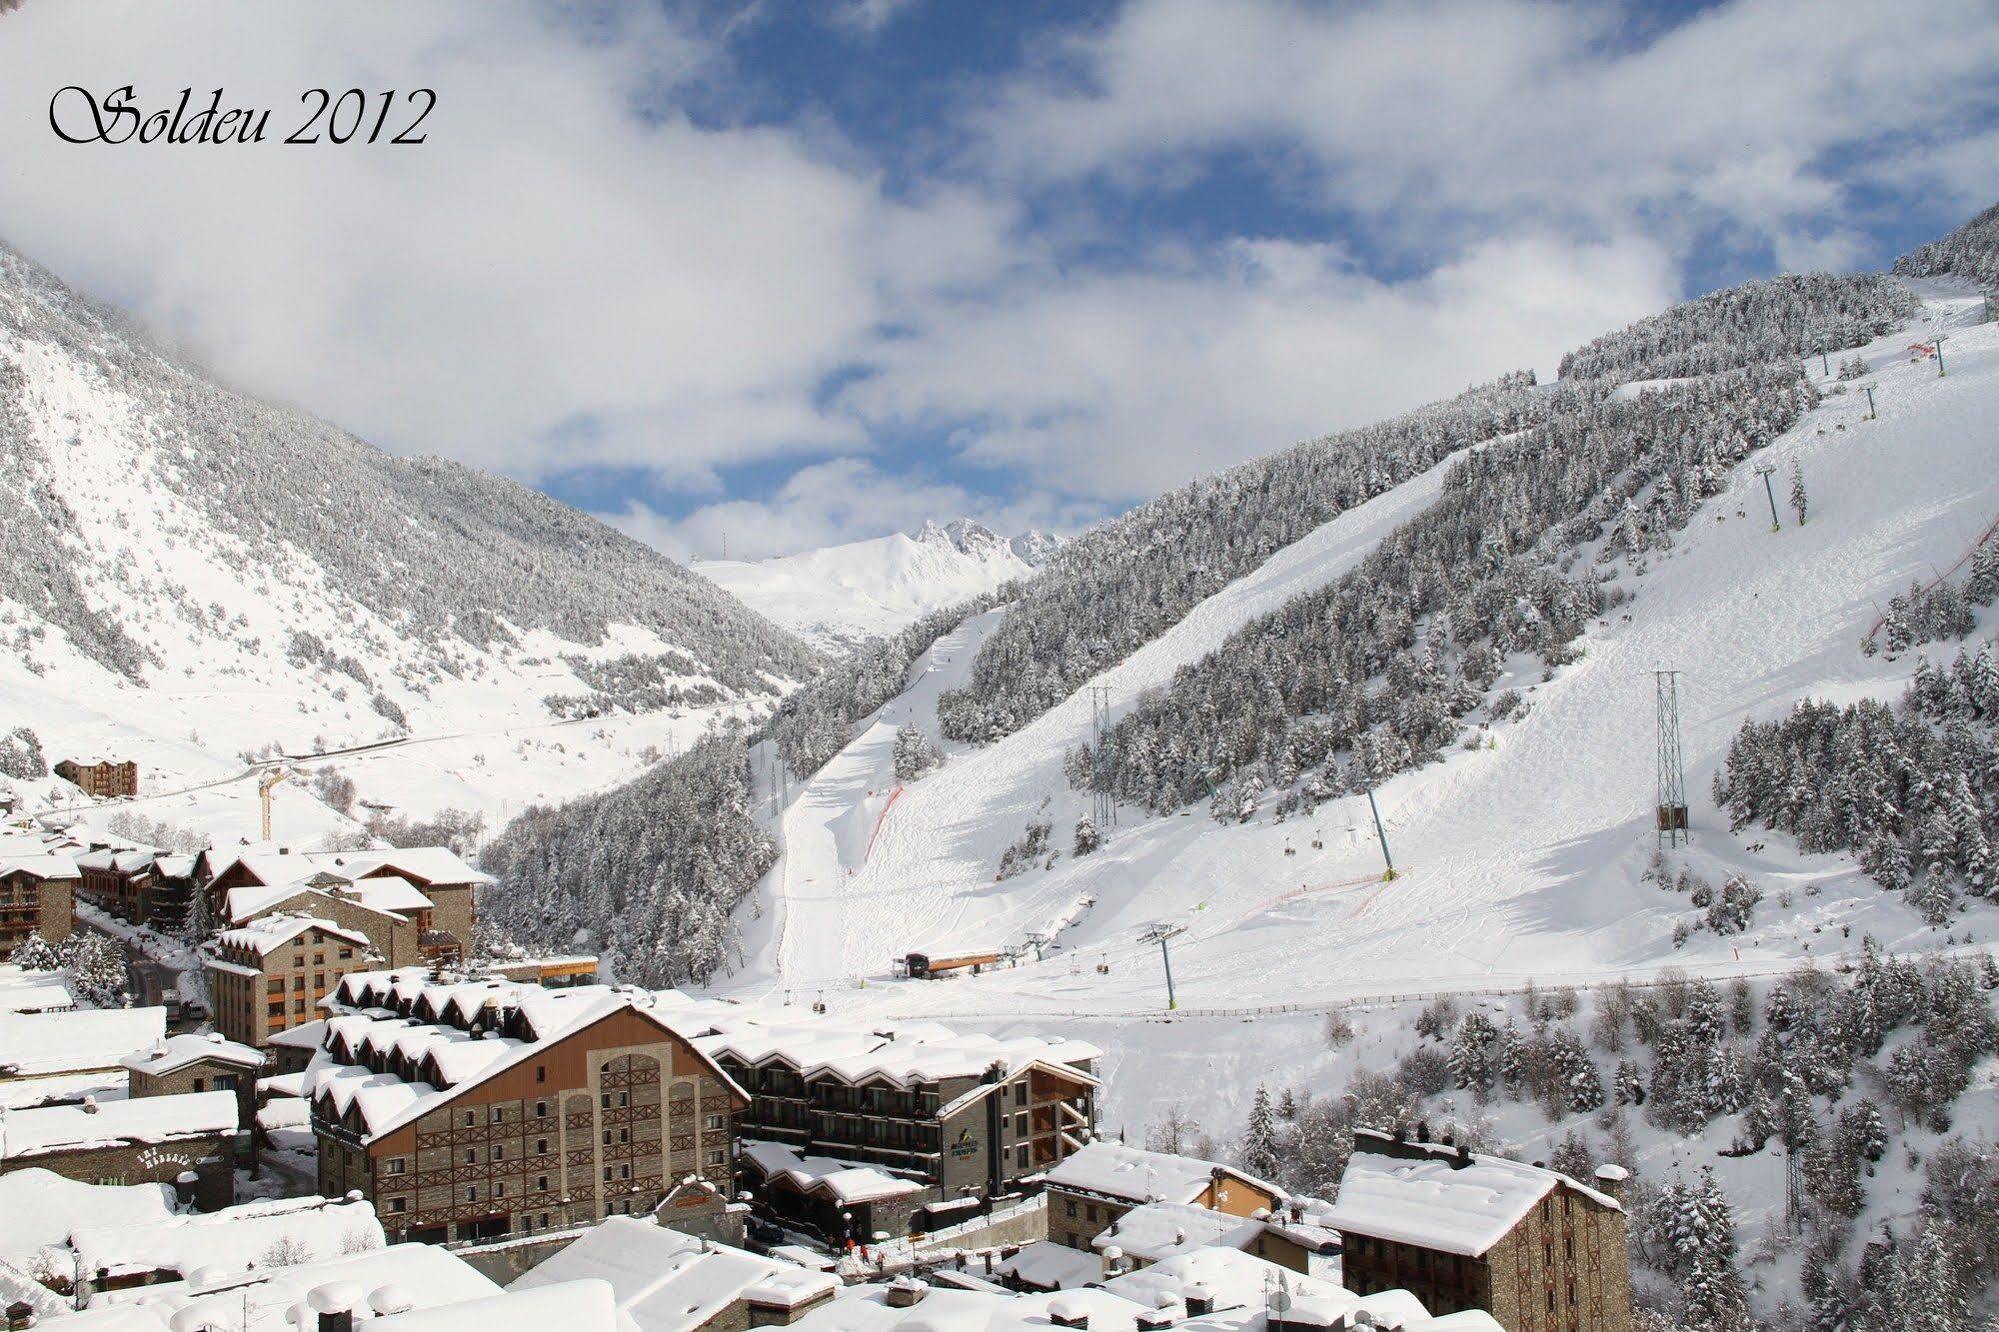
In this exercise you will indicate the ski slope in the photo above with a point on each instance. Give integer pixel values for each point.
(1523, 859)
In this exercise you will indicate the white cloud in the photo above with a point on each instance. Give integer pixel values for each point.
(1119, 386)
(549, 254)
(831, 503)
(1444, 115)
(870, 16)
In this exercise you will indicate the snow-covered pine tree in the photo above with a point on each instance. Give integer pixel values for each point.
(1260, 1148)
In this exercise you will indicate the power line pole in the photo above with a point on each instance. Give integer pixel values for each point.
(1159, 934)
(1104, 806)
(1940, 338)
(1870, 402)
(1672, 777)
(1765, 470)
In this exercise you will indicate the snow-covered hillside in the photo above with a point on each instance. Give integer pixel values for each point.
(1522, 860)
(836, 596)
(191, 575)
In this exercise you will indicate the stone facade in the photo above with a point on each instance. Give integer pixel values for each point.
(200, 1076)
(211, 1158)
(104, 778)
(603, 1122)
(1562, 1267)
(392, 938)
(1076, 1216)
(256, 993)
(31, 903)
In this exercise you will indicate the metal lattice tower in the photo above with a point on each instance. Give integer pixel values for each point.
(1104, 809)
(1672, 779)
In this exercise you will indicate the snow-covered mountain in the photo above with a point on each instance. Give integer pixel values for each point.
(188, 574)
(837, 596)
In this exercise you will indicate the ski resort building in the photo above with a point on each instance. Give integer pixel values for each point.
(1460, 1230)
(196, 1063)
(433, 888)
(37, 895)
(137, 883)
(856, 1116)
(487, 1108)
(272, 973)
(187, 1141)
(106, 779)
(1093, 1190)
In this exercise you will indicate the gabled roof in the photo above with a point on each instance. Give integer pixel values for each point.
(39, 865)
(666, 1281)
(178, 1052)
(1114, 1170)
(265, 933)
(843, 1181)
(1153, 1231)
(1436, 1198)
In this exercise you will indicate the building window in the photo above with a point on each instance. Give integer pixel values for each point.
(472, 1195)
(715, 1158)
(471, 1118)
(471, 1156)
(717, 1121)
(1020, 1157)
(541, 1146)
(541, 1072)
(541, 1109)
(396, 1165)
(541, 1186)
(607, 1174)
(605, 1101)
(1020, 1092)
(624, 1172)
(499, 1152)
(500, 1189)
(624, 1135)
(1551, 1301)
(496, 1115)
(607, 1138)
(399, 1204)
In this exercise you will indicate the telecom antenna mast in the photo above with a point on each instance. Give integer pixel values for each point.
(1672, 778)
(1104, 809)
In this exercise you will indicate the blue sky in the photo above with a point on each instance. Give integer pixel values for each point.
(808, 272)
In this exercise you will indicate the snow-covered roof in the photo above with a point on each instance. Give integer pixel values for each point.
(271, 864)
(39, 1044)
(127, 859)
(387, 894)
(574, 1306)
(39, 864)
(1441, 1200)
(174, 867)
(177, 1052)
(447, 1056)
(17, 1287)
(235, 1239)
(937, 1309)
(904, 1055)
(429, 864)
(39, 1209)
(1114, 1170)
(844, 1181)
(1052, 1266)
(1164, 1230)
(305, 1036)
(421, 1277)
(43, 995)
(1230, 1278)
(262, 935)
(61, 1128)
(666, 1281)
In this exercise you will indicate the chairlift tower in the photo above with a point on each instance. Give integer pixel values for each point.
(1103, 810)
(1672, 776)
(1159, 934)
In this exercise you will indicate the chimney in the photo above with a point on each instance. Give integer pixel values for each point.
(903, 1292)
(1199, 1299)
(1068, 1311)
(1463, 1158)
(1422, 1130)
(334, 1303)
(20, 1316)
(90, 1105)
(1610, 1179)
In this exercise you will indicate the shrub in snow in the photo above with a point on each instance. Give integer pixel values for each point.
(1029, 848)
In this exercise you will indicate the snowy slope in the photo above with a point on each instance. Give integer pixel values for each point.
(194, 575)
(836, 596)
(1522, 859)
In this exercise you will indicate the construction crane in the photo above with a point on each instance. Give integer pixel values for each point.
(265, 785)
